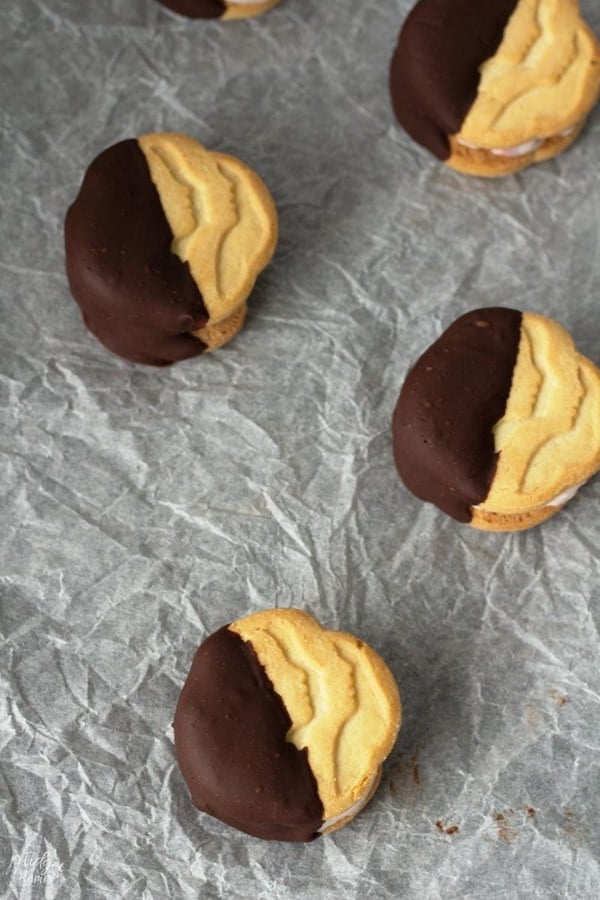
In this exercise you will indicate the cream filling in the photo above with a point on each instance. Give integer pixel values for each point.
(565, 496)
(247, 2)
(559, 500)
(519, 149)
(352, 810)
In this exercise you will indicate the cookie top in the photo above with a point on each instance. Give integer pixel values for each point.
(542, 81)
(498, 418)
(548, 439)
(163, 245)
(496, 74)
(282, 726)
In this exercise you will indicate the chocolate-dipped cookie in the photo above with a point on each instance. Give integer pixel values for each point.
(282, 727)
(490, 87)
(164, 242)
(498, 422)
(219, 9)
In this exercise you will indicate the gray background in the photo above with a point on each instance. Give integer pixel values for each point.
(144, 508)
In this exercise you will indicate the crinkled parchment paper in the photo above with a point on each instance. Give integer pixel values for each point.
(142, 509)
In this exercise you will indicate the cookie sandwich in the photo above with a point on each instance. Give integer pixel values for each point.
(164, 242)
(498, 422)
(282, 726)
(491, 87)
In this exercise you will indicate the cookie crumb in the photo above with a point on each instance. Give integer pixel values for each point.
(505, 830)
(449, 831)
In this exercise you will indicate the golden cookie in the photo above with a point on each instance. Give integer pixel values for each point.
(490, 88)
(498, 422)
(282, 726)
(164, 243)
(242, 9)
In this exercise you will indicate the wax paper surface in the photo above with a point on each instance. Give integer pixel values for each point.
(144, 508)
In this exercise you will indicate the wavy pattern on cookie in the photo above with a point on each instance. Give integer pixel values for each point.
(339, 695)
(205, 211)
(222, 217)
(543, 79)
(549, 436)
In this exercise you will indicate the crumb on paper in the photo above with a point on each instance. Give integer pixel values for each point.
(448, 830)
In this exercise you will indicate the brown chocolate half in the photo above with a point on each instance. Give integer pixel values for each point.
(196, 9)
(434, 74)
(136, 296)
(448, 406)
(230, 739)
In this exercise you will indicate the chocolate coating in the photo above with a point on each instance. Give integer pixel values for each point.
(136, 296)
(434, 74)
(196, 9)
(449, 403)
(230, 739)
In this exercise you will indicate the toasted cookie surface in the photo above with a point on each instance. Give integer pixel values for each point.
(498, 423)
(163, 245)
(219, 9)
(548, 440)
(243, 9)
(329, 710)
(490, 88)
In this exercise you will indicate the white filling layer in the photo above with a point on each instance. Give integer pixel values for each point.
(247, 2)
(354, 809)
(559, 500)
(566, 495)
(520, 149)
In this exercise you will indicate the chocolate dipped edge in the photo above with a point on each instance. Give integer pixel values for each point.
(136, 296)
(434, 74)
(196, 9)
(448, 406)
(230, 739)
